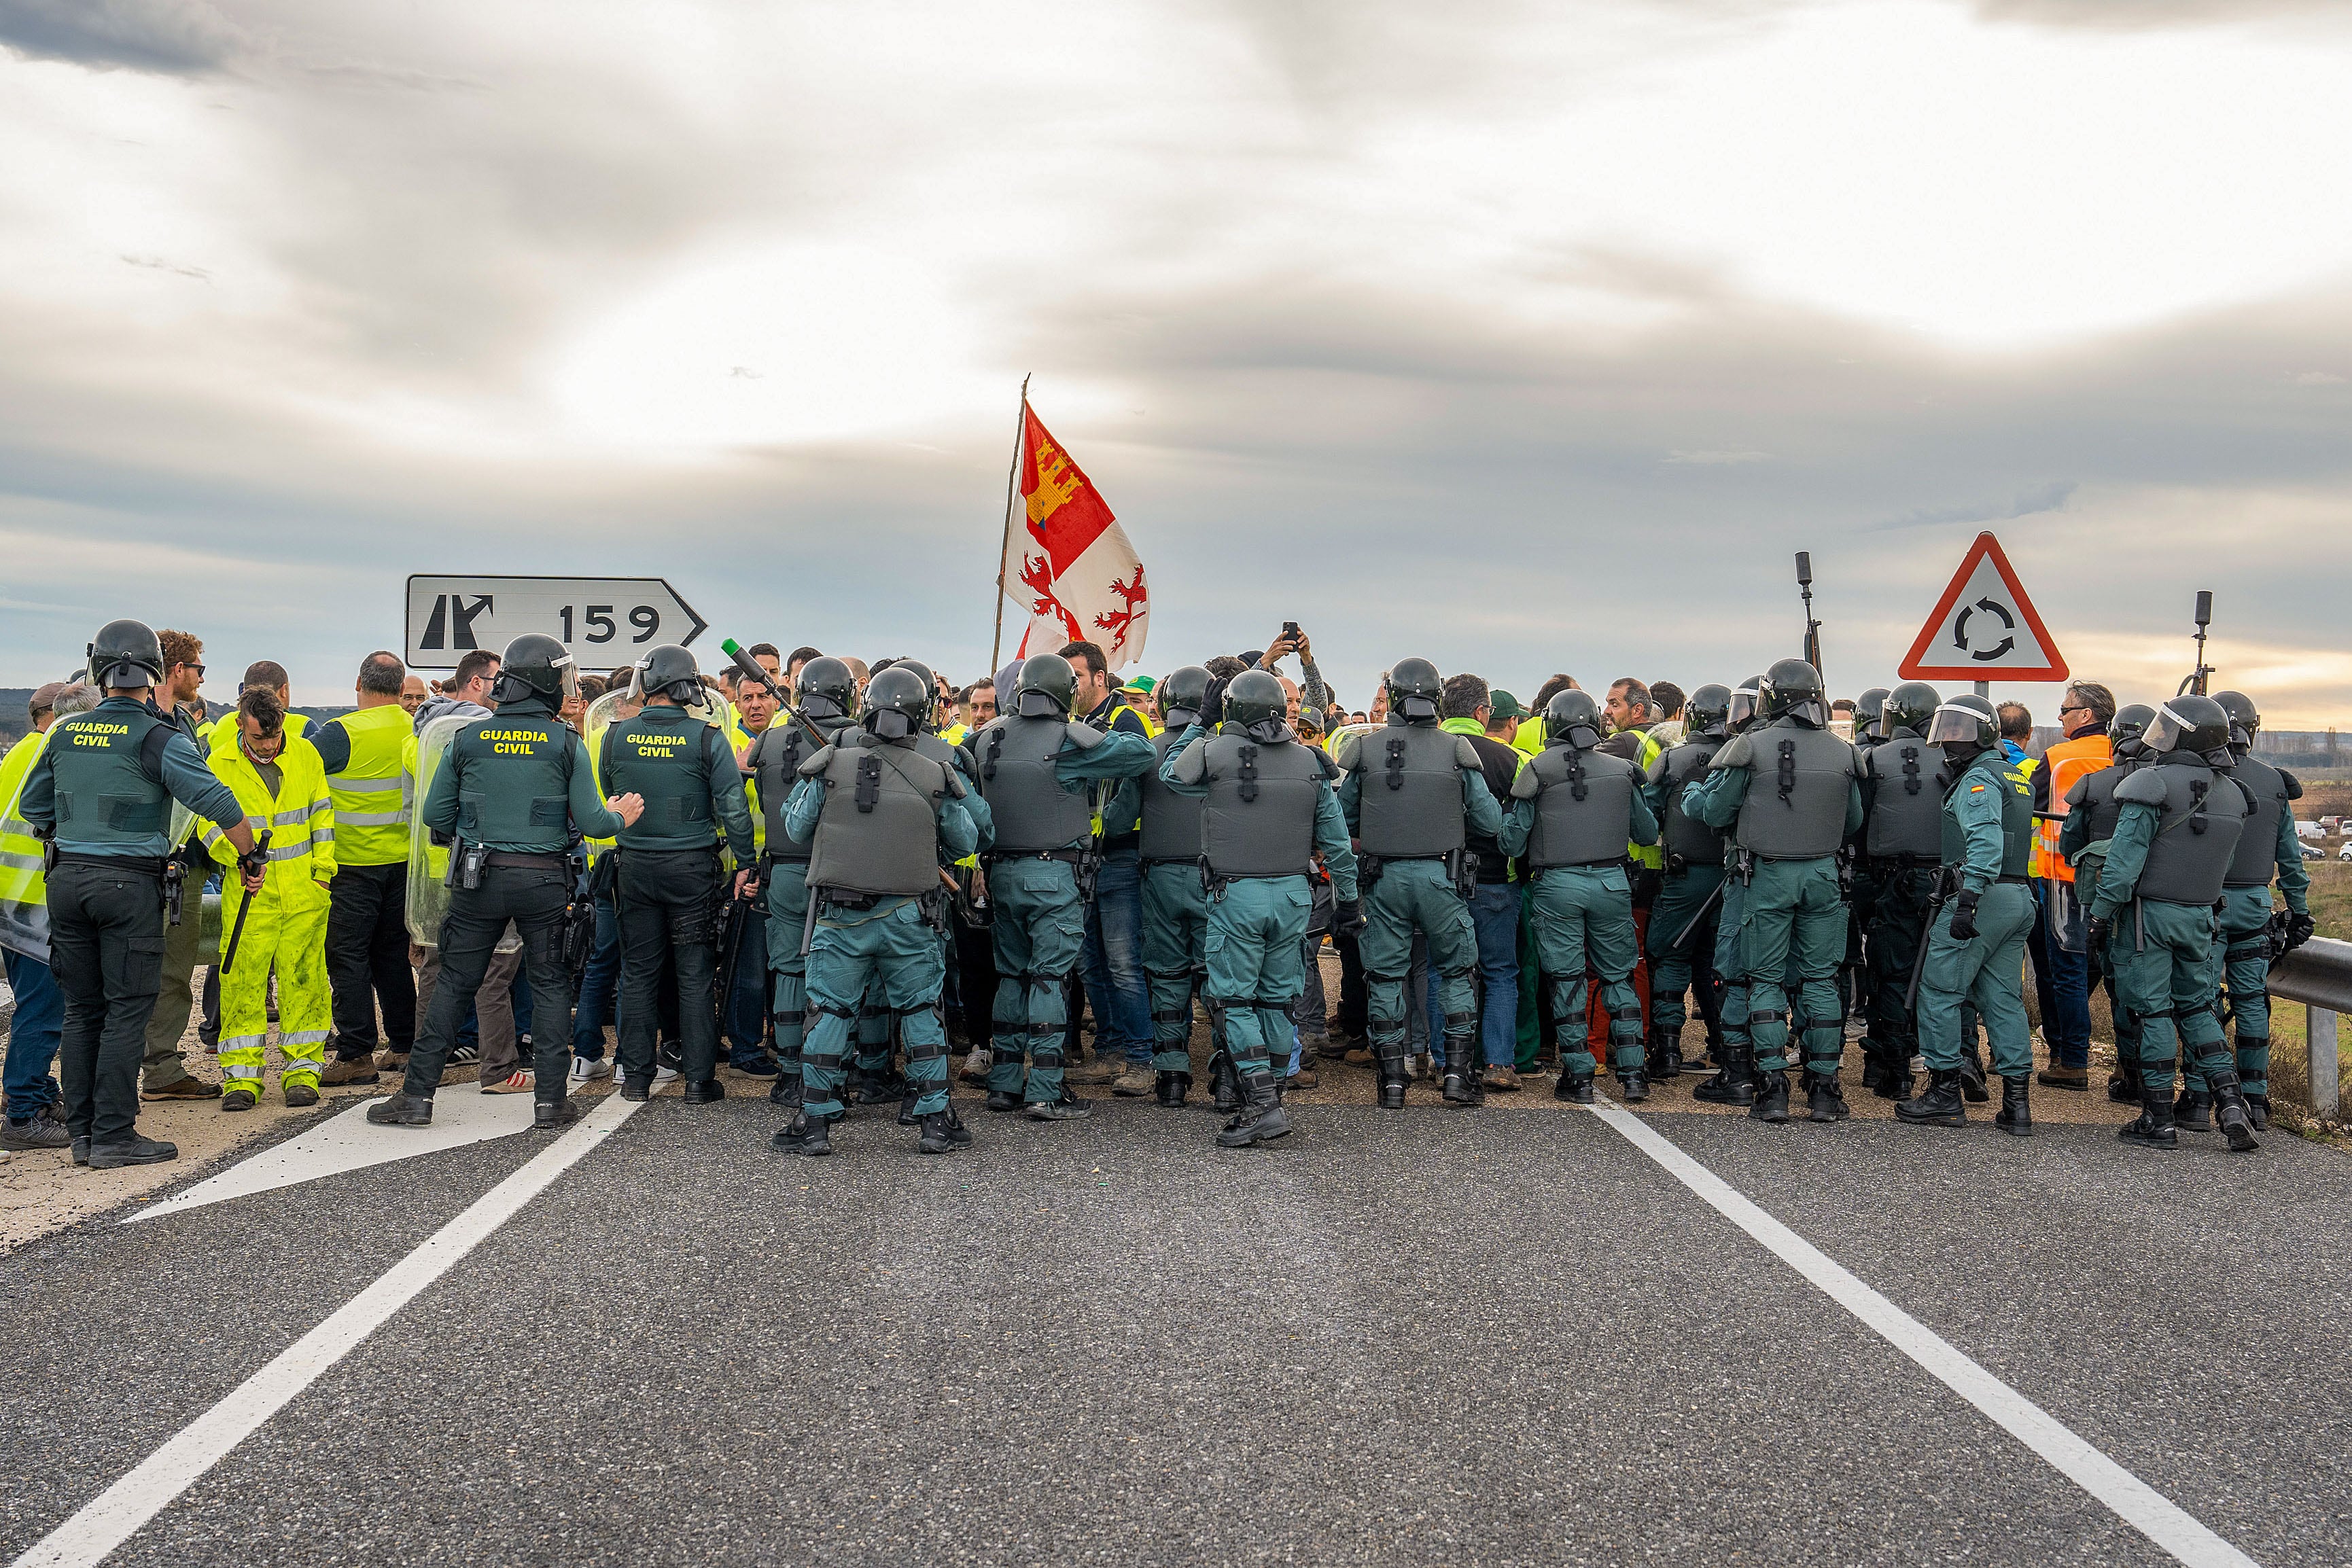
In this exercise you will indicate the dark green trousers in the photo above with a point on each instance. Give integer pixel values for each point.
(106, 949)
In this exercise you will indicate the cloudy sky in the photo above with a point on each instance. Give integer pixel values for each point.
(1521, 337)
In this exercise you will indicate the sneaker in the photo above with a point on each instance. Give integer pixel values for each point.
(391, 1061)
(1502, 1080)
(465, 1056)
(33, 1132)
(338, 1071)
(975, 1067)
(1135, 1081)
(1357, 1056)
(133, 1151)
(587, 1072)
(759, 1066)
(182, 1089)
(1303, 1079)
(517, 1082)
(1068, 1108)
(664, 1073)
(1101, 1070)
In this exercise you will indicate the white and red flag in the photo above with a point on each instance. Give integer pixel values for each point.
(1068, 563)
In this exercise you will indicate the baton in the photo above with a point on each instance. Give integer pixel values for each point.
(237, 932)
(1927, 932)
(1711, 901)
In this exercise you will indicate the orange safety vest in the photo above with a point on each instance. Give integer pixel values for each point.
(2066, 762)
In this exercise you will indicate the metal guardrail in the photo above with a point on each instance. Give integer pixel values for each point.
(2319, 975)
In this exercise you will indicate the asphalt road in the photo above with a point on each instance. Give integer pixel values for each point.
(1498, 1337)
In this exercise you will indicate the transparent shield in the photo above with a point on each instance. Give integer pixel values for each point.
(618, 705)
(428, 862)
(2069, 921)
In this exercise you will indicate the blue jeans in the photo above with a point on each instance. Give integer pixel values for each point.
(1114, 961)
(747, 1008)
(1495, 913)
(2066, 991)
(599, 986)
(32, 1036)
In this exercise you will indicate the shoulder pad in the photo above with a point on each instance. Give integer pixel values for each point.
(1857, 760)
(2293, 785)
(2142, 788)
(1323, 760)
(812, 765)
(1467, 755)
(1351, 748)
(1085, 737)
(1192, 762)
(1740, 751)
(955, 789)
(1657, 772)
(1526, 786)
(2080, 790)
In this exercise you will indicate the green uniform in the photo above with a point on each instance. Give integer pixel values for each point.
(1175, 899)
(2242, 943)
(1584, 919)
(1988, 848)
(775, 766)
(1688, 893)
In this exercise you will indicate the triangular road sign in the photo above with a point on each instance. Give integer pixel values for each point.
(1984, 627)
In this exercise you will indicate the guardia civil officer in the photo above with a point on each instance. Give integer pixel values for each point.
(2244, 945)
(1734, 1080)
(1902, 788)
(1684, 924)
(100, 795)
(1413, 793)
(1175, 899)
(879, 816)
(1793, 790)
(1034, 767)
(822, 695)
(1574, 808)
(2181, 815)
(684, 772)
(1976, 945)
(514, 792)
(1268, 809)
(1867, 709)
(2092, 813)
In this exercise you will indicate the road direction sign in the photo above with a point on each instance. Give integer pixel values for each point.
(1984, 627)
(604, 621)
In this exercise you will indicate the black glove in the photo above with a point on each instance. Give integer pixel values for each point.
(1348, 916)
(2097, 932)
(2299, 930)
(1964, 917)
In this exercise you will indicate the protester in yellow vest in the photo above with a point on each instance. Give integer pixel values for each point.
(281, 782)
(369, 758)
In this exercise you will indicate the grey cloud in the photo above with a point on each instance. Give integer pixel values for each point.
(180, 37)
(2050, 497)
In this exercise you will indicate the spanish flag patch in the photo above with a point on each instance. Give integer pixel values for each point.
(1976, 789)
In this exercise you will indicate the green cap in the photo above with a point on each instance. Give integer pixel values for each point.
(1505, 704)
(1141, 683)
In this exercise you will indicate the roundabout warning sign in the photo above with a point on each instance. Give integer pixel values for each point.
(1983, 627)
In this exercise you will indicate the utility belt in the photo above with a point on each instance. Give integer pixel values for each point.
(1170, 859)
(1682, 865)
(1071, 857)
(469, 862)
(1460, 869)
(142, 865)
(2020, 881)
(1908, 863)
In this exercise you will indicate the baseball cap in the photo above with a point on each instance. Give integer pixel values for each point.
(45, 698)
(1505, 704)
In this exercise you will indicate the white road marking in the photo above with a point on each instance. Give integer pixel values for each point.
(114, 1515)
(349, 1142)
(2133, 1500)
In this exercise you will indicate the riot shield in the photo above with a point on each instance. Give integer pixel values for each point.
(428, 862)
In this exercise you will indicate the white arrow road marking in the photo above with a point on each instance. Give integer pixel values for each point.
(2135, 1502)
(350, 1142)
(115, 1514)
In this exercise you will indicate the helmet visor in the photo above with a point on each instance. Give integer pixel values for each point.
(2167, 731)
(1743, 709)
(1954, 726)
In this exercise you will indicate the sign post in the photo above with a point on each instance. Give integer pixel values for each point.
(605, 621)
(1984, 626)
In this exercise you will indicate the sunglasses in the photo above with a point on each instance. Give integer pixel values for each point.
(198, 668)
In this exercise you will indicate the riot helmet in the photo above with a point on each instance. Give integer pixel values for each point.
(536, 665)
(1047, 688)
(825, 688)
(1867, 709)
(1793, 689)
(1911, 706)
(1704, 711)
(896, 702)
(1256, 704)
(1183, 694)
(2245, 721)
(1742, 711)
(1414, 688)
(2128, 731)
(669, 671)
(923, 672)
(2192, 723)
(1964, 727)
(125, 653)
(1572, 718)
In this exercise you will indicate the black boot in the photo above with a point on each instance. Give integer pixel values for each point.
(1771, 1097)
(549, 1115)
(2122, 1084)
(1824, 1101)
(907, 1103)
(1394, 1076)
(1261, 1119)
(1944, 1104)
(1874, 1066)
(403, 1110)
(1734, 1082)
(868, 1087)
(1972, 1076)
(2229, 1110)
(134, 1150)
(2259, 1107)
(2153, 1128)
(703, 1092)
(1225, 1083)
(1170, 1088)
(1002, 1100)
(1456, 1089)
(786, 1089)
(2015, 1116)
(1575, 1089)
(636, 1089)
(1633, 1085)
(1665, 1054)
(807, 1136)
(2193, 1112)
(939, 1135)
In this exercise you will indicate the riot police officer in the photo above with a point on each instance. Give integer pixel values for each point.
(684, 772)
(2181, 815)
(1034, 766)
(1867, 710)
(879, 816)
(1175, 902)
(1794, 791)
(2244, 945)
(1734, 1080)
(100, 795)
(1574, 808)
(1902, 787)
(515, 791)
(822, 695)
(1268, 809)
(1411, 794)
(1975, 943)
(2092, 812)
(1683, 927)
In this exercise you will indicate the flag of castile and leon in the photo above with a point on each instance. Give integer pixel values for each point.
(1069, 563)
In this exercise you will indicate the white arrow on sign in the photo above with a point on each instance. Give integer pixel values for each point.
(604, 621)
(1984, 626)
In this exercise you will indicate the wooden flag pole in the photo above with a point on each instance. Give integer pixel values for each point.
(1011, 482)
